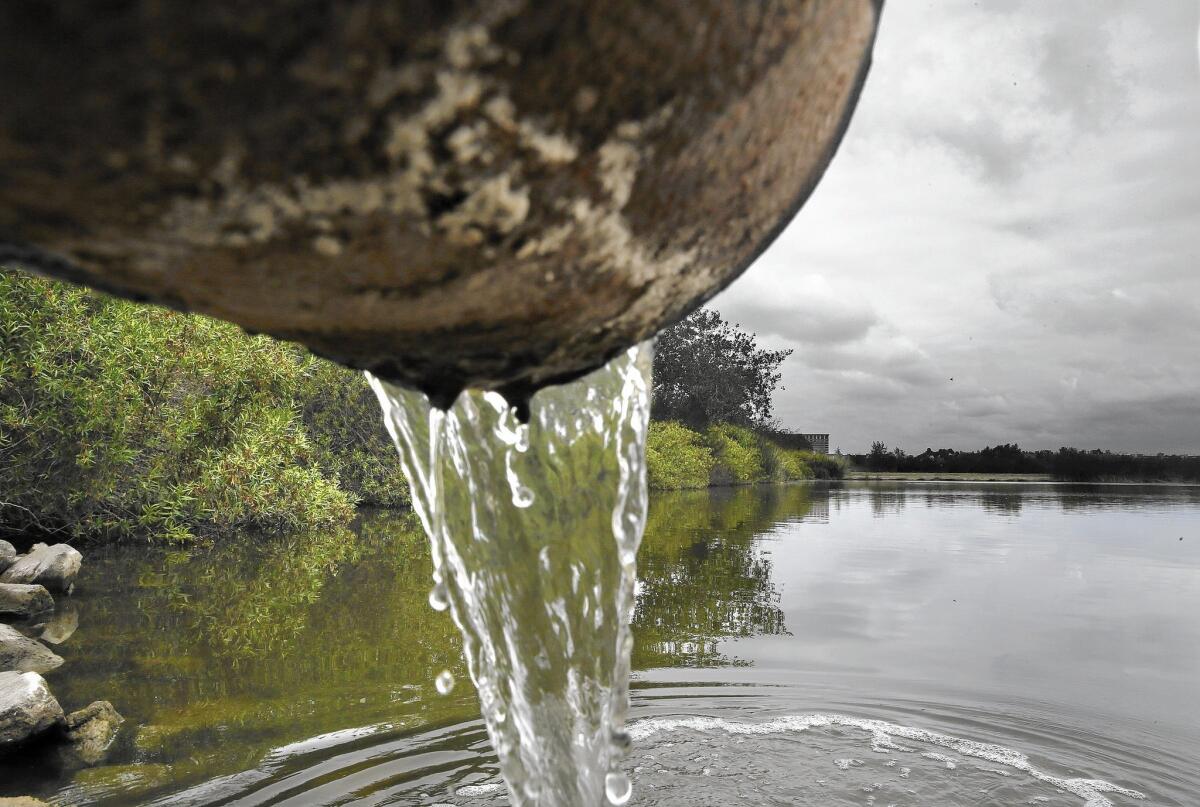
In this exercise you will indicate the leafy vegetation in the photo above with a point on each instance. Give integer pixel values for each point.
(678, 457)
(712, 409)
(126, 421)
(708, 371)
(739, 460)
(823, 466)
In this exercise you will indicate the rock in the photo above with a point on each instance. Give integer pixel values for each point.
(54, 567)
(22, 801)
(23, 654)
(61, 625)
(91, 730)
(24, 600)
(27, 708)
(8, 555)
(474, 193)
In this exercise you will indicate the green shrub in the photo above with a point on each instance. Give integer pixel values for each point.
(342, 418)
(119, 420)
(795, 465)
(739, 460)
(774, 466)
(823, 466)
(676, 457)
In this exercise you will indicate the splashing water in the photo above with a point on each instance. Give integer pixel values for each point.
(883, 738)
(534, 531)
(444, 682)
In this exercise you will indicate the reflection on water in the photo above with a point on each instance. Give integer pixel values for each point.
(1063, 621)
(702, 576)
(217, 656)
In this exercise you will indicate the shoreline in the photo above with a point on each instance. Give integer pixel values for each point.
(1039, 479)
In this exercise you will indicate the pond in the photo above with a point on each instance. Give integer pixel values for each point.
(858, 643)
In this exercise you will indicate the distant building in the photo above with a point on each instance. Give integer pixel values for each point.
(819, 442)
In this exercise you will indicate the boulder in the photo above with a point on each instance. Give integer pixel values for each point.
(60, 625)
(27, 708)
(24, 600)
(54, 567)
(91, 730)
(8, 555)
(23, 654)
(22, 801)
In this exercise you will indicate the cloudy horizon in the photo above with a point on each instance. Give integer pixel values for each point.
(1005, 247)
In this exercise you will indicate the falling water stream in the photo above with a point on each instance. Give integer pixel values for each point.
(534, 529)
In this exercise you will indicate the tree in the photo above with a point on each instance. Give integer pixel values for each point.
(880, 459)
(708, 371)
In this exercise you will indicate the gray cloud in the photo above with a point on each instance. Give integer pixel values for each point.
(1016, 206)
(802, 309)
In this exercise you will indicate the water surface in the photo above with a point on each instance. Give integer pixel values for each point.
(859, 644)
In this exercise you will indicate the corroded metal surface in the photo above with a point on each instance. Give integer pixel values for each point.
(495, 194)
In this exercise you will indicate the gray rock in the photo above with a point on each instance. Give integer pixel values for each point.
(60, 625)
(91, 730)
(54, 567)
(27, 708)
(23, 654)
(24, 600)
(8, 555)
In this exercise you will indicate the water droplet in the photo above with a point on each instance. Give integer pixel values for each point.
(438, 599)
(522, 443)
(444, 682)
(499, 715)
(522, 496)
(617, 788)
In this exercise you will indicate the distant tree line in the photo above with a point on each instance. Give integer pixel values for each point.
(1087, 466)
(1066, 464)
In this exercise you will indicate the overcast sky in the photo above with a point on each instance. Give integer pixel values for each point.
(1007, 245)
